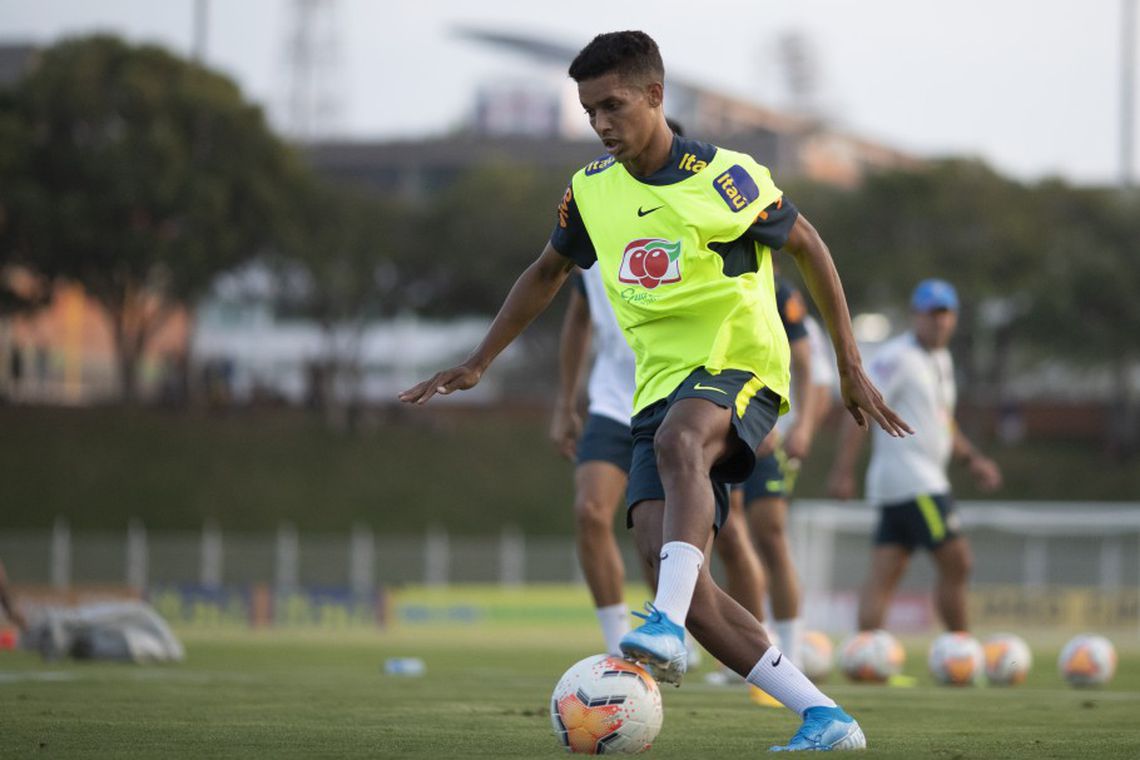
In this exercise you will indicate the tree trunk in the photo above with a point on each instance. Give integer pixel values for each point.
(128, 360)
(1122, 442)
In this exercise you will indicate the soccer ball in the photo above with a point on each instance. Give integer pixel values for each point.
(872, 656)
(1008, 659)
(1087, 660)
(606, 704)
(816, 652)
(956, 659)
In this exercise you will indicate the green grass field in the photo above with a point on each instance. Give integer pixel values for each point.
(296, 694)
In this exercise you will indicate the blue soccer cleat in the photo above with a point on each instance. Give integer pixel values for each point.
(659, 643)
(825, 728)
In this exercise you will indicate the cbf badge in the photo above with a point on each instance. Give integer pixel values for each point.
(650, 262)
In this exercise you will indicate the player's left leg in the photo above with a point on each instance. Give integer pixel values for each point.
(954, 561)
(732, 635)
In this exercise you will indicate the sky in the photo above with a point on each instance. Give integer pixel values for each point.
(1030, 86)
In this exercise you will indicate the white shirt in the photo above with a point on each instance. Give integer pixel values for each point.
(919, 385)
(823, 372)
(612, 379)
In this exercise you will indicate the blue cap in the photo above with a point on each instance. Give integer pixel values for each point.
(932, 294)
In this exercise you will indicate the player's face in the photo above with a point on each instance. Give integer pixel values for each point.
(624, 115)
(935, 328)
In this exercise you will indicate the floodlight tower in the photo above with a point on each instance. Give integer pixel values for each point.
(1127, 89)
(312, 61)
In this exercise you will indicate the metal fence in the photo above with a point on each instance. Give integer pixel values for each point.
(1028, 544)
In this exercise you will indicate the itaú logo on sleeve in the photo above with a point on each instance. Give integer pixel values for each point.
(650, 262)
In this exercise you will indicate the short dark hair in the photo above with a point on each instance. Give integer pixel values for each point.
(632, 55)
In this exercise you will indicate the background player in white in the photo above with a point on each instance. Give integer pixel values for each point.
(603, 449)
(907, 476)
(762, 501)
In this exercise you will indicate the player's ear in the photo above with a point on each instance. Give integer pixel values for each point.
(655, 94)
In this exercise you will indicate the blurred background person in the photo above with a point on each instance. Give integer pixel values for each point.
(8, 604)
(907, 477)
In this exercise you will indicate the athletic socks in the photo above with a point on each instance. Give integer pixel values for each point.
(788, 635)
(776, 675)
(614, 620)
(680, 565)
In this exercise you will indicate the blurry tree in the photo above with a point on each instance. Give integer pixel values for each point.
(348, 258)
(142, 177)
(1084, 304)
(20, 288)
(481, 233)
(954, 219)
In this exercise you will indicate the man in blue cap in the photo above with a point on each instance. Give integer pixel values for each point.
(907, 477)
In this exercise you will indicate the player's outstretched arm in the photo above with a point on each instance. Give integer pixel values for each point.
(573, 345)
(860, 396)
(530, 295)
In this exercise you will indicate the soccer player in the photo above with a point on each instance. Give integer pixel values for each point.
(762, 498)
(683, 233)
(8, 604)
(907, 478)
(603, 449)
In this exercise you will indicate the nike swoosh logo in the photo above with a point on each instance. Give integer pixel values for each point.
(778, 658)
(650, 211)
(699, 387)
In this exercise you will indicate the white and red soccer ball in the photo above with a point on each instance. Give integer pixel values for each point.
(872, 656)
(604, 704)
(956, 658)
(1008, 659)
(1087, 660)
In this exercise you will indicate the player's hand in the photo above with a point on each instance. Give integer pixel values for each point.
(863, 400)
(797, 444)
(986, 473)
(565, 429)
(459, 378)
(841, 484)
(18, 620)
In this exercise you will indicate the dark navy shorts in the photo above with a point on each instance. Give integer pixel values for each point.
(755, 408)
(606, 440)
(927, 521)
(767, 480)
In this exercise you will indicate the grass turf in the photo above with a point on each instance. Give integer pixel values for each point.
(296, 694)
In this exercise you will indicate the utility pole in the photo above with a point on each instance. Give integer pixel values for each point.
(1127, 90)
(201, 30)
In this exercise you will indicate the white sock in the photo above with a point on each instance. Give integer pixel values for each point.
(680, 564)
(614, 619)
(788, 633)
(776, 675)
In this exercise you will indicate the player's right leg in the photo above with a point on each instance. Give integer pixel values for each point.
(743, 572)
(954, 561)
(604, 453)
(599, 487)
(765, 493)
(888, 564)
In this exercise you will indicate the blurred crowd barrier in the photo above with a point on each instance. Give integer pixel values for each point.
(1043, 564)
